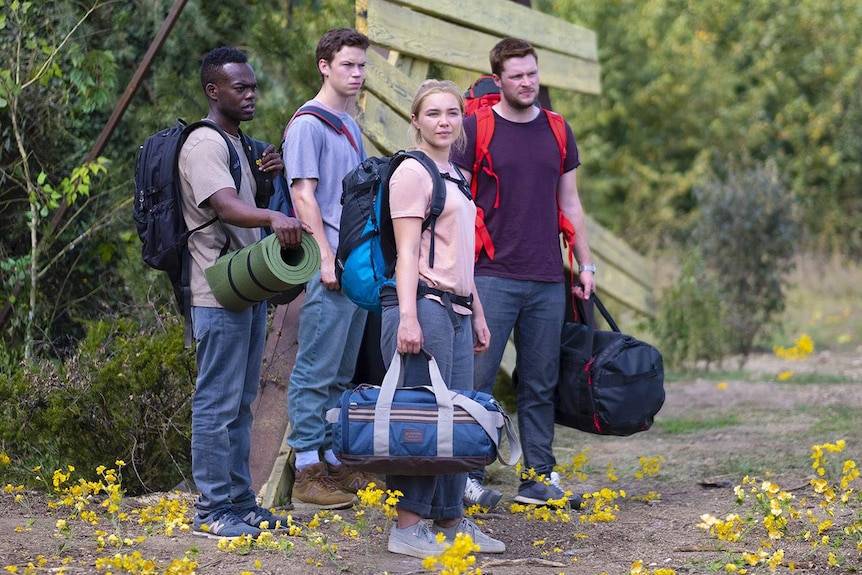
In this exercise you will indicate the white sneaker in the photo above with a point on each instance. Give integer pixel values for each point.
(486, 543)
(415, 541)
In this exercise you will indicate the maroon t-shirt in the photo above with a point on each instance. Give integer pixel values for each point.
(524, 228)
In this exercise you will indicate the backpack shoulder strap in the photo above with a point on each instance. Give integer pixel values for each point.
(235, 166)
(482, 162)
(484, 134)
(438, 191)
(558, 127)
(328, 118)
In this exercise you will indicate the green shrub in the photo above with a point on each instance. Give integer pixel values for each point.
(748, 233)
(124, 394)
(689, 321)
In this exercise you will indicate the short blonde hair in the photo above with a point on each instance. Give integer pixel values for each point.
(432, 86)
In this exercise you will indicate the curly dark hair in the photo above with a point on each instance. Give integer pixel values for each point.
(214, 61)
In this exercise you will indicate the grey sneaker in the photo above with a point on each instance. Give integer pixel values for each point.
(486, 543)
(477, 494)
(540, 493)
(222, 523)
(415, 541)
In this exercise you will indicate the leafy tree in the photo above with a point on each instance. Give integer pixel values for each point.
(687, 82)
(748, 232)
(690, 320)
(48, 78)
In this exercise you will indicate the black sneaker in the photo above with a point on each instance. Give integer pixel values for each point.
(477, 494)
(548, 492)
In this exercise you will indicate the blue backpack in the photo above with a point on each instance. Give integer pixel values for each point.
(365, 259)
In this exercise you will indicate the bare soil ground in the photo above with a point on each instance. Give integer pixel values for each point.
(710, 433)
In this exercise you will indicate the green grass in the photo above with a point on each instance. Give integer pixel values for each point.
(811, 378)
(675, 376)
(834, 419)
(823, 301)
(682, 425)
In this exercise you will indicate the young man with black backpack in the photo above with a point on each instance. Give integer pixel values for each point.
(524, 199)
(230, 344)
(319, 149)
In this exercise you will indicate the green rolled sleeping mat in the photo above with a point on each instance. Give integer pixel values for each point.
(262, 270)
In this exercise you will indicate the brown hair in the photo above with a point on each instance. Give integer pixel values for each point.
(432, 86)
(509, 48)
(336, 39)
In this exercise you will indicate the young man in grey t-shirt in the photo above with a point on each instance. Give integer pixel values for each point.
(330, 325)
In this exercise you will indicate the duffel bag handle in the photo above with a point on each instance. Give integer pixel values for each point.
(383, 409)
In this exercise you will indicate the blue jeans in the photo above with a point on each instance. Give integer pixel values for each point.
(229, 354)
(432, 496)
(330, 333)
(536, 312)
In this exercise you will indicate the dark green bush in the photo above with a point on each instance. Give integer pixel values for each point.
(124, 394)
(689, 321)
(748, 233)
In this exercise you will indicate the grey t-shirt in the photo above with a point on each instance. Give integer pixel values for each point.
(313, 150)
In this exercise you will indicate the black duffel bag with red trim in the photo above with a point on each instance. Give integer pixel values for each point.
(610, 383)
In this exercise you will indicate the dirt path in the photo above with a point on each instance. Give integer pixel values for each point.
(710, 434)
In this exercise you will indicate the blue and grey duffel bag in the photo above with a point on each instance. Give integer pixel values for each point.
(424, 430)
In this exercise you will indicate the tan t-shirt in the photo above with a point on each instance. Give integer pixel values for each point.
(410, 196)
(204, 170)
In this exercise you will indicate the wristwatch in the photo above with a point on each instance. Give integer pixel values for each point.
(587, 268)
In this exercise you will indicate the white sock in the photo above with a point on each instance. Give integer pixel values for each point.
(330, 458)
(306, 458)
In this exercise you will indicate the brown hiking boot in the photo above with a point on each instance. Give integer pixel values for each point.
(352, 480)
(312, 485)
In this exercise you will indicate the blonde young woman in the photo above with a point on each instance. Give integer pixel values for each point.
(445, 323)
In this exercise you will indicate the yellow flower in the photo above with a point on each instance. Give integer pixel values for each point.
(722, 385)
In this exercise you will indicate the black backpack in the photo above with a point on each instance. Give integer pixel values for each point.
(365, 259)
(158, 206)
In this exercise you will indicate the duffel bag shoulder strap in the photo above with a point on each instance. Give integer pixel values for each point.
(491, 422)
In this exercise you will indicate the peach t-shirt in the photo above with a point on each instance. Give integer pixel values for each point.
(410, 196)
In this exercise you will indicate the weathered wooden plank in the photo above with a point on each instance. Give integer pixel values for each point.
(614, 249)
(390, 85)
(425, 37)
(371, 148)
(386, 129)
(502, 18)
(414, 68)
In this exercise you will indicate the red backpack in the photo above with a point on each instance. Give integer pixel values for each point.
(478, 99)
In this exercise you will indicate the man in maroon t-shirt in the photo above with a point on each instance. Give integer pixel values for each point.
(522, 286)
